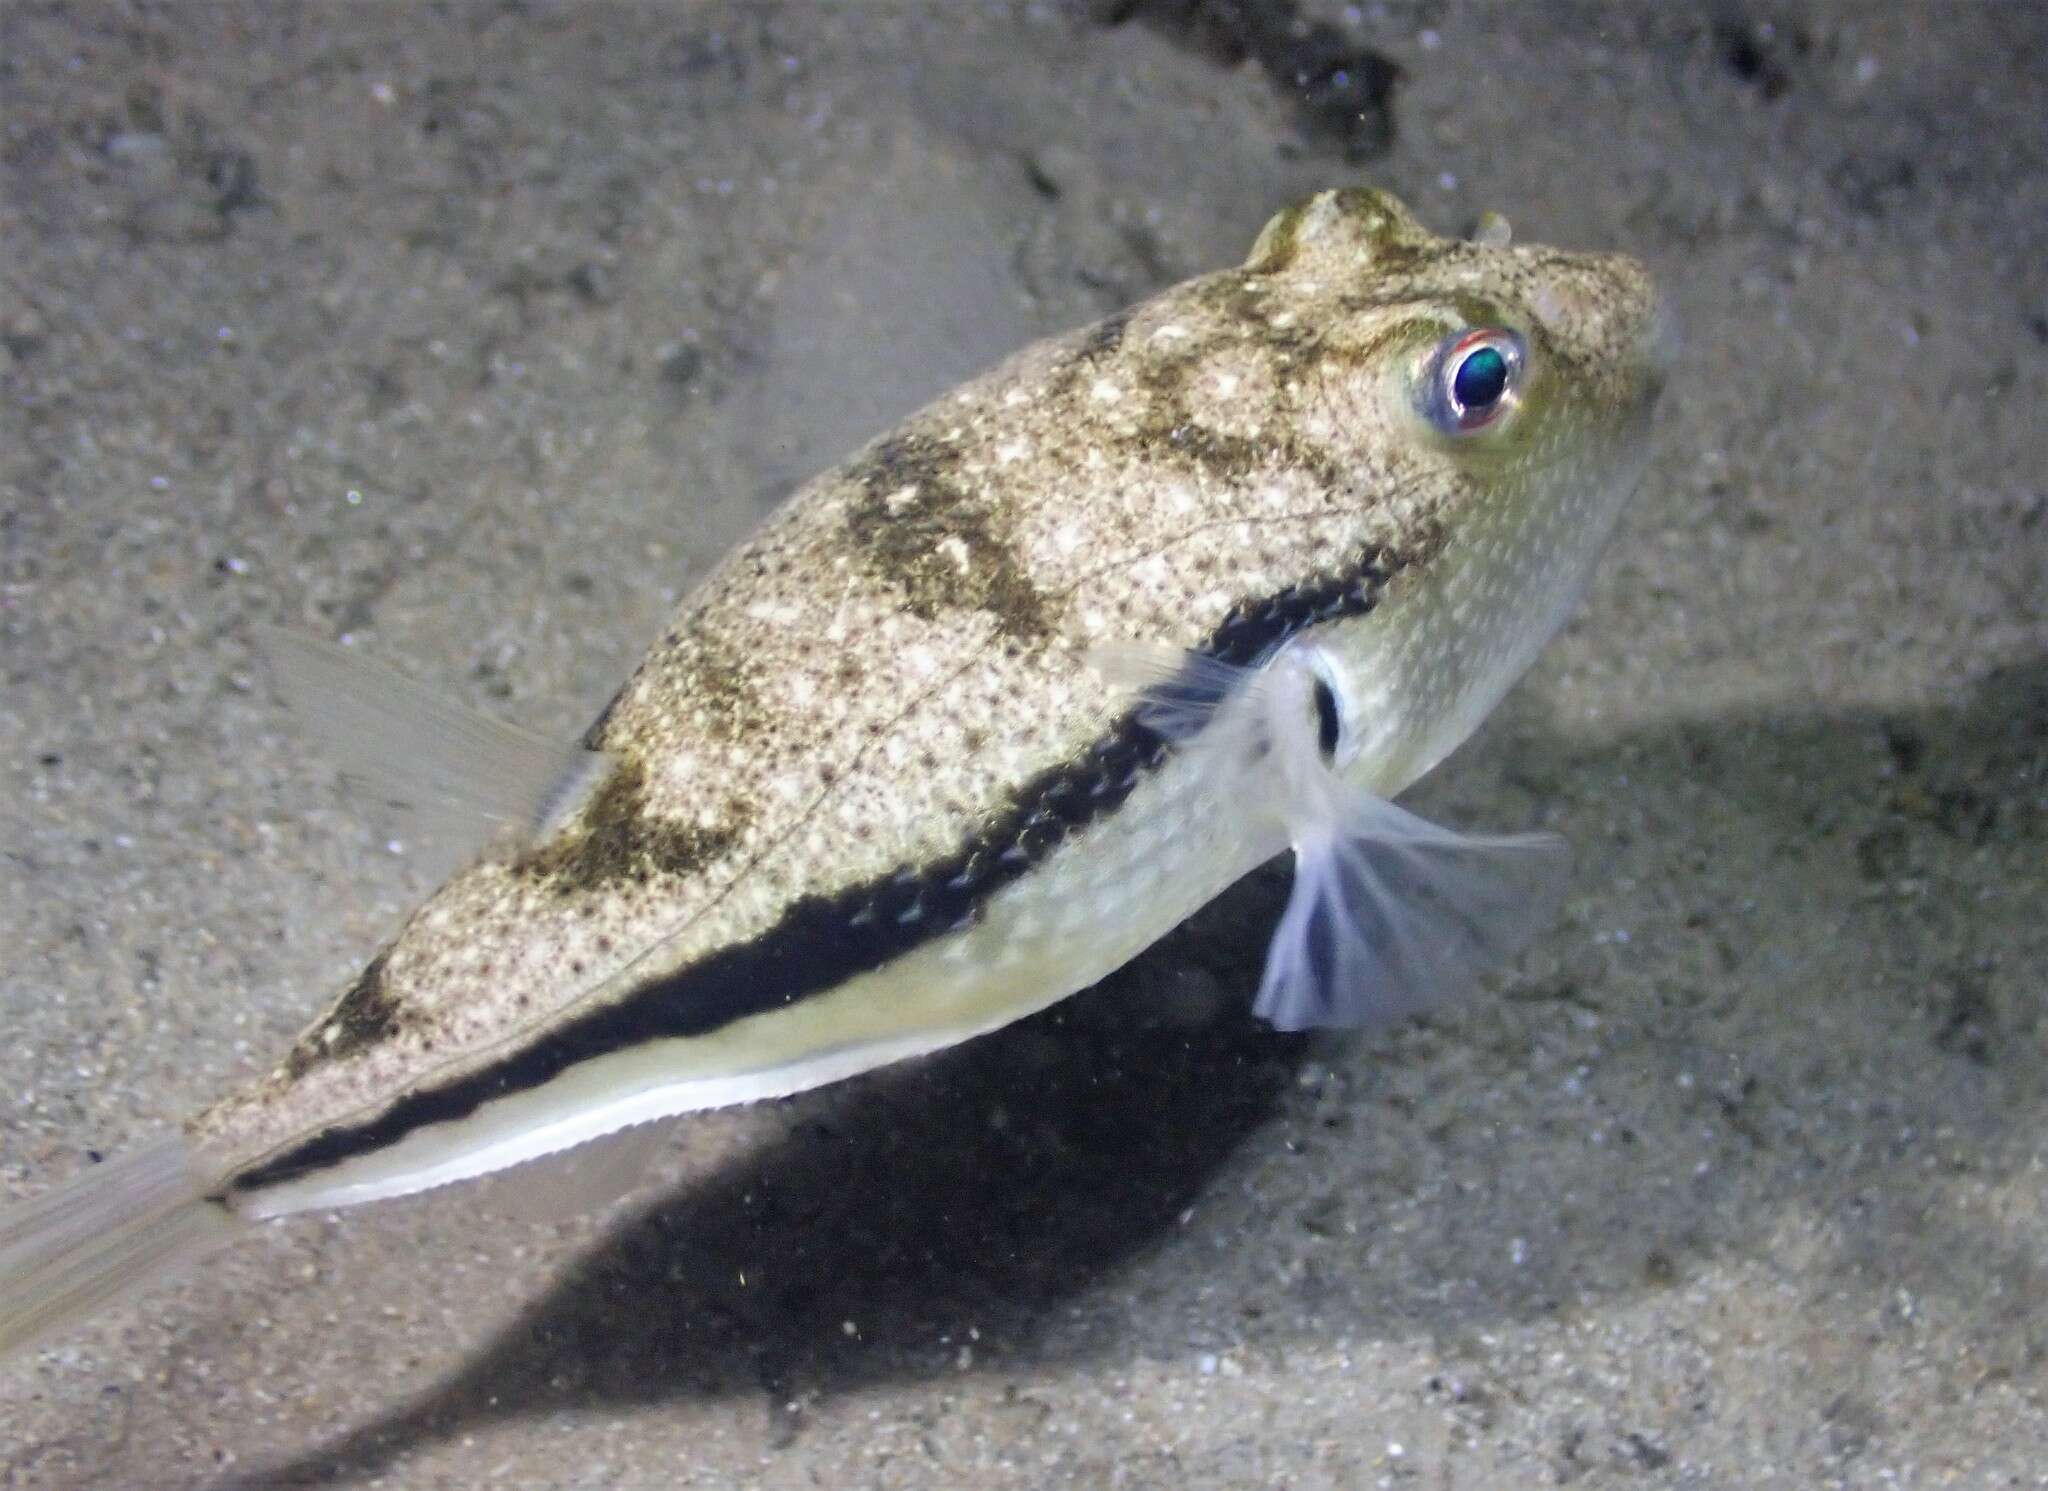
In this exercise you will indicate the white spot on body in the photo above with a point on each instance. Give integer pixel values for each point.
(681, 770)
(1068, 537)
(1152, 570)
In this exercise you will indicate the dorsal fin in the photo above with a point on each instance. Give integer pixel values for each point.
(453, 777)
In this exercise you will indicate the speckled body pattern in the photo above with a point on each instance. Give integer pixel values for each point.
(876, 712)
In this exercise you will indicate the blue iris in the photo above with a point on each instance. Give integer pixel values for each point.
(1480, 380)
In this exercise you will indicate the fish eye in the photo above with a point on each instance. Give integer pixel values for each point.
(1329, 723)
(1473, 379)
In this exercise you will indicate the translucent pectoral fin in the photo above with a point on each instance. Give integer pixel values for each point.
(1179, 693)
(443, 776)
(1391, 914)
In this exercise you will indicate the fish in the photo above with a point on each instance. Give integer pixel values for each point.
(970, 721)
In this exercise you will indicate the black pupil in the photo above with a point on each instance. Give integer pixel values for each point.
(1328, 725)
(1480, 380)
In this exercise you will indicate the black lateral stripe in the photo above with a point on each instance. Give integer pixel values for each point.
(822, 941)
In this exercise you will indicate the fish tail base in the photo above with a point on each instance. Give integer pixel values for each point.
(111, 1232)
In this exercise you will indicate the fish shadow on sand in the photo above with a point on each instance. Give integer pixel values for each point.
(1013, 1187)
(979, 1192)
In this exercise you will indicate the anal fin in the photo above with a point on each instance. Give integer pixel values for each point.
(573, 1182)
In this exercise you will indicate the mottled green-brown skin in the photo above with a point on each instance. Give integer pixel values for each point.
(864, 685)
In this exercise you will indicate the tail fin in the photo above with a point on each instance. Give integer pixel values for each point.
(117, 1229)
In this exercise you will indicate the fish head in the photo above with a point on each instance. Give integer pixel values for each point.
(1494, 400)
(1489, 355)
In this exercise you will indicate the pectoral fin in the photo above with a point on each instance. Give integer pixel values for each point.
(1179, 693)
(1391, 914)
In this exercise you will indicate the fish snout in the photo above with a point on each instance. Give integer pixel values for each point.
(1610, 312)
(1631, 329)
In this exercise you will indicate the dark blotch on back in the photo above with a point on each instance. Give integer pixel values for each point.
(905, 538)
(703, 669)
(615, 840)
(1168, 425)
(1234, 458)
(365, 1016)
(710, 673)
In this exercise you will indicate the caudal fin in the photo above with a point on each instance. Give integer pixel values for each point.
(110, 1232)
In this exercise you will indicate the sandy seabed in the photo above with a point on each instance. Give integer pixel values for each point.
(480, 331)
